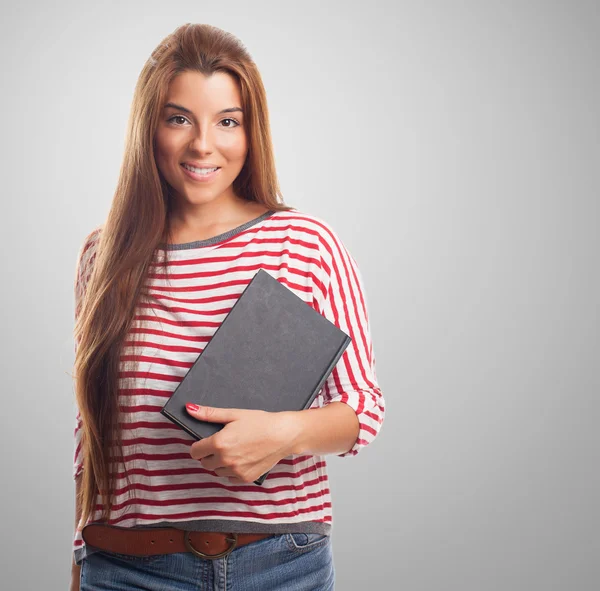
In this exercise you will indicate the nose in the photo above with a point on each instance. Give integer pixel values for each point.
(202, 140)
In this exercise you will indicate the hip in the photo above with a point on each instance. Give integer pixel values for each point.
(288, 561)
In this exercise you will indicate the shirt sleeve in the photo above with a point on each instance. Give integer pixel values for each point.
(342, 300)
(83, 269)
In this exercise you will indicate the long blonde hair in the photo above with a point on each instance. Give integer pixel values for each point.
(136, 230)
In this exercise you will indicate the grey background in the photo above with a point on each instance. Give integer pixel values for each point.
(454, 146)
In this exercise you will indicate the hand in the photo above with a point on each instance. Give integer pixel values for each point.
(250, 443)
(75, 578)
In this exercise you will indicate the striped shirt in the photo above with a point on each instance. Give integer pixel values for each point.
(169, 487)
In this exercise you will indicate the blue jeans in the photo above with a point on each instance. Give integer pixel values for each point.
(283, 562)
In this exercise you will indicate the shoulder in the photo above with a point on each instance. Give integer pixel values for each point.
(87, 250)
(332, 249)
(90, 242)
(321, 232)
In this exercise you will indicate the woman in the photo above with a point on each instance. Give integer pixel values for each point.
(196, 213)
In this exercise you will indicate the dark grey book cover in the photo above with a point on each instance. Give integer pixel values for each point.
(272, 352)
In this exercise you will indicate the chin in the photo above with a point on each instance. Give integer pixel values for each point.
(202, 196)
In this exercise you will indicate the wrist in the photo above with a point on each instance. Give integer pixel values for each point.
(295, 429)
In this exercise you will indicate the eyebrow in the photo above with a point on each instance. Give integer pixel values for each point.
(181, 108)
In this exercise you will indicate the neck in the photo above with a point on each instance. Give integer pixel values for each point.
(200, 221)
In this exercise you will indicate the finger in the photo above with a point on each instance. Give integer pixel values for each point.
(212, 413)
(203, 448)
(212, 463)
(225, 472)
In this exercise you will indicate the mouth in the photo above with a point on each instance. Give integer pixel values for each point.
(200, 174)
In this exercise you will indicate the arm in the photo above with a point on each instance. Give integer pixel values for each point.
(75, 569)
(353, 382)
(83, 268)
(332, 429)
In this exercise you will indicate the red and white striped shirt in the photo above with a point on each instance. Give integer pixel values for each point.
(170, 488)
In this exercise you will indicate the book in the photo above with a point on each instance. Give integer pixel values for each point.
(272, 352)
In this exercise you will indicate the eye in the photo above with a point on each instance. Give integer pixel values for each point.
(230, 119)
(177, 117)
(181, 117)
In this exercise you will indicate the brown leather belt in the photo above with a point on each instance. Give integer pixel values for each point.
(164, 540)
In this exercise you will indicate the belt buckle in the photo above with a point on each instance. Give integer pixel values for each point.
(188, 545)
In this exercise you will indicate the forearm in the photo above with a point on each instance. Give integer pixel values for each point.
(332, 429)
(74, 567)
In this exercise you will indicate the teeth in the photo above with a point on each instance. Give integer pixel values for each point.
(200, 170)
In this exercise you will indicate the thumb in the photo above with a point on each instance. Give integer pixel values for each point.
(211, 413)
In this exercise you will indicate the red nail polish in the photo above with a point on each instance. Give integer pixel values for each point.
(192, 407)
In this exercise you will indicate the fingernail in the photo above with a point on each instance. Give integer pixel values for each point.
(192, 407)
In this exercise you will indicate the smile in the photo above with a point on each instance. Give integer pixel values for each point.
(200, 174)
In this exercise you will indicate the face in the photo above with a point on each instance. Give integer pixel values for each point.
(201, 126)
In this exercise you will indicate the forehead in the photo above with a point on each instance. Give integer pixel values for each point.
(198, 92)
